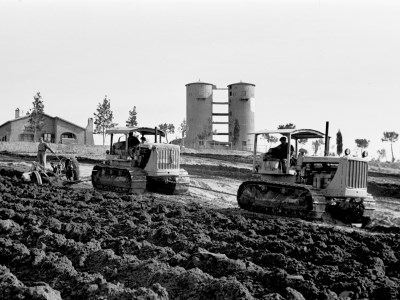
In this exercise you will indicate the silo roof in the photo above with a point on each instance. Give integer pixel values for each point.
(198, 82)
(245, 83)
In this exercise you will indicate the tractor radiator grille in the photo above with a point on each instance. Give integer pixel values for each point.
(357, 173)
(167, 159)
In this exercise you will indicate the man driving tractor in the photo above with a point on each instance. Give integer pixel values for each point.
(280, 152)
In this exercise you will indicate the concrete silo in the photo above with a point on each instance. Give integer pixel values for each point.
(199, 98)
(241, 115)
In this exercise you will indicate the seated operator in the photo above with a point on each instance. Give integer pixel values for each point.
(133, 141)
(280, 152)
(283, 148)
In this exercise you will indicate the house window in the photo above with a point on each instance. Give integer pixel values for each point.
(67, 138)
(244, 143)
(230, 93)
(68, 135)
(47, 137)
(201, 143)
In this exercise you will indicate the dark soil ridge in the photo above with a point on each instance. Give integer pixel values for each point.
(389, 187)
(62, 243)
(386, 175)
(222, 157)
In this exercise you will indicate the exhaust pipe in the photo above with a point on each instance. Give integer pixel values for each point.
(326, 152)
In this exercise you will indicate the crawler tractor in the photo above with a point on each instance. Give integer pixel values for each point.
(135, 167)
(309, 187)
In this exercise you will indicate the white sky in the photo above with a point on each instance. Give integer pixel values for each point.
(311, 61)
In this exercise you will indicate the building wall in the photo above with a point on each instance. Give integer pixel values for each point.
(18, 128)
(5, 132)
(241, 108)
(199, 97)
(62, 127)
(15, 131)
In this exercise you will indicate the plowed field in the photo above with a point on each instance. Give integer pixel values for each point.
(65, 242)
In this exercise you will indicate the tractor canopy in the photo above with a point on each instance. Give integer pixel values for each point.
(294, 133)
(141, 130)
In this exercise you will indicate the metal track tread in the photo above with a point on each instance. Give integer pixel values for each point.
(305, 202)
(120, 180)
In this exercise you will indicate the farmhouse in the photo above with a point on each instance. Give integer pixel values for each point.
(55, 130)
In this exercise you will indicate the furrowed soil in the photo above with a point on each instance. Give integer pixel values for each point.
(70, 242)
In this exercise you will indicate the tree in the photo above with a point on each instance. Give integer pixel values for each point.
(207, 131)
(362, 143)
(392, 137)
(168, 128)
(183, 128)
(287, 126)
(36, 115)
(236, 132)
(339, 143)
(103, 119)
(382, 154)
(132, 119)
(316, 145)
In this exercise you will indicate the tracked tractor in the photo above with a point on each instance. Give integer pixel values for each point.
(137, 164)
(309, 187)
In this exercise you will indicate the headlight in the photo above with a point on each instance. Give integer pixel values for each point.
(364, 154)
(347, 152)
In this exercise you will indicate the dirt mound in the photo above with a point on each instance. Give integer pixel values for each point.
(384, 189)
(81, 244)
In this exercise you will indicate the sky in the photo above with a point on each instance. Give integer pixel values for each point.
(311, 61)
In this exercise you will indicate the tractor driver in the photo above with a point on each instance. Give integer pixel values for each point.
(280, 152)
(133, 141)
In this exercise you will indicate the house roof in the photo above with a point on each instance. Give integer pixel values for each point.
(27, 116)
(68, 122)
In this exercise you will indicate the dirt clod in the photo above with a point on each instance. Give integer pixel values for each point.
(63, 243)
